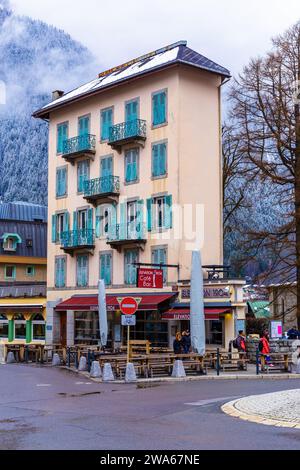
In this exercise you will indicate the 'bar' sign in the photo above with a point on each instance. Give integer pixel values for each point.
(150, 278)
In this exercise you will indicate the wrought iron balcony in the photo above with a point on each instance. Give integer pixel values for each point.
(105, 189)
(134, 131)
(78, 240)
(133, 233)
(80, 146)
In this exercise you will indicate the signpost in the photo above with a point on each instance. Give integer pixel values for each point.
(150, 278)
(128, 306)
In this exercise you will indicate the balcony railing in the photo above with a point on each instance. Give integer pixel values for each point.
(127, 131)
(79, 145)
(101, 186)
(76, 239)
(128, 232)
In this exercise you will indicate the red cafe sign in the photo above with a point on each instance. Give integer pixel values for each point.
(150, 278)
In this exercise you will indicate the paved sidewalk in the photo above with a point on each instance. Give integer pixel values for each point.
(280, 409)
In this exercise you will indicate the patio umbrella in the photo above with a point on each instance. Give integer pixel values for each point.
(197, 305)
(102, 313)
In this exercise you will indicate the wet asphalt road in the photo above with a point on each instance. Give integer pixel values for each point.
(46, 408)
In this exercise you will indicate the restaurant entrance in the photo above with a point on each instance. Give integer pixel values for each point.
(149, 326)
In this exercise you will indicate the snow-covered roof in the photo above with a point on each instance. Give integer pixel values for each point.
(174, 53)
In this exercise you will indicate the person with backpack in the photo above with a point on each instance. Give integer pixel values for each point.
(264, 349)
(186, 341)
(239, 343)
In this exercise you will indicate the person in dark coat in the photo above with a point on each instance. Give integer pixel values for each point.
(186, 342)
(177, 344)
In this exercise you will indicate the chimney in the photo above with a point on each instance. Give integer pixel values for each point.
(57, 94)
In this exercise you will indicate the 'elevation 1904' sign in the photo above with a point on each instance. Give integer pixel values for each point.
(150, 278)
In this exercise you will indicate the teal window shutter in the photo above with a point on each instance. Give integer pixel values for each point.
(131, 256)
(106, 123)
(140, 219)
(162, 159)
(66, 221)
(82, 271)
(62, 135)
(131, 165)
(84, 126)
(149, 214)
(54, 228)
(168, 212)
(90, 219)
(83, 171)
(123, 221)
(159, 256)
(155, 160)
(159, 108)
(75, 220)
(98, 222)
(131, 111)
(105, 268)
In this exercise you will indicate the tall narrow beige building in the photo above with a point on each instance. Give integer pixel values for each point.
(135, 177)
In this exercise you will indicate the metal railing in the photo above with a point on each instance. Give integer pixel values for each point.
(78, 238)
(128, 231)
(126, 130)
(81, 143)
(104, 185)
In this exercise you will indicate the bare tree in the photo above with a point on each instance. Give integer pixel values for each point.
(265, 110)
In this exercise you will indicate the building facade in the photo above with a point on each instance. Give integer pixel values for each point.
(23, 273)
(134, 177)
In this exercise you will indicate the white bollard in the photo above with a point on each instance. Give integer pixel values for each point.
(2, 354)
(10, 358)
(95, 370)
(108, 375)
(178, 370)
(55, 360)
(298, 367)
(82, 364)
(130, 375)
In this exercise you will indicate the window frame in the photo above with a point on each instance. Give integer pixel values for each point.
(33, 270)
(107, 253)
(137, 260)
(137, 180)
(87, 162)
(112, 108)
(154, 144)
(65, 277)
(60, 124)
(87, 271)
(14, 276)
(154, 93)
(61, 168)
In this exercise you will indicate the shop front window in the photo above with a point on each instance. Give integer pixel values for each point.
(3, 326)
(214, 332)
(87, 328)
(20, 327)
(38, 328)
(149, 326)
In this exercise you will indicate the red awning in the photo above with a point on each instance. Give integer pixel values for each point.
(184, 313)
(90, 302)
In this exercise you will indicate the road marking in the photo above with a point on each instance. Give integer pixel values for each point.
(43, 385)
(211, 401)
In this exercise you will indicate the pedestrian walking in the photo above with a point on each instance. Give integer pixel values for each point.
(177, 344)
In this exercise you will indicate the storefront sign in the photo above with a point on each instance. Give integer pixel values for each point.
(209, 293)
(276, 329)
(128, 320)
(129, 305)
(150, 278)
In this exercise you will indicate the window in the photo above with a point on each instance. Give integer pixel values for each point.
(159, 159)
(82, 270)
(83, 125)
(131, 110)
(61, 182)
(130, 256)
(29, 242)
(104, 219)
(62, 135)
(131, 165)
(159, 211)
(20, 327)
(60, 224)
(11, 241)
(30, 271)
(159, 108)
(3, 326)
(159, 256)
(106, 123)
(106, 268)
(38, 328)
(83, 174)
(60, 272)
(10, 272)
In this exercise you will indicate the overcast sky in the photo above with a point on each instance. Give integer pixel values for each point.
(229, 32)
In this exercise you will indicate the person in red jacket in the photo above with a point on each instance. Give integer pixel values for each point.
(264, 348)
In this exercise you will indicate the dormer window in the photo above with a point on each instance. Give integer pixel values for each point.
(10, 241)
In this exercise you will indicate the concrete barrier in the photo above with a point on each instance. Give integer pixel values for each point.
(10, 358)
(178, 370)
(55, 360)
(82, 364)
(108, 375)
(2, 354)
(95, 370)
(130, 375)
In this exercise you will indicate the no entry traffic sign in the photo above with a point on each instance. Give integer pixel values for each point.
(129, 305)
